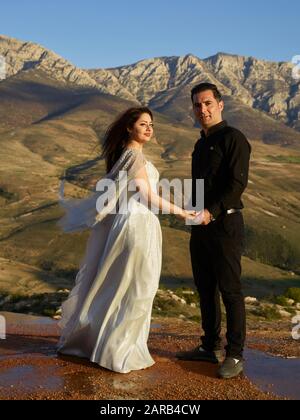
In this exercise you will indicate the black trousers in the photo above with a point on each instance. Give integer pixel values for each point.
(216, 251)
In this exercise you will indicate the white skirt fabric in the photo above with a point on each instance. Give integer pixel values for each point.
(108, 313)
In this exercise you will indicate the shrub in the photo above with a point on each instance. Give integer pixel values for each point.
(269, 313)
(293, 293)
(281, 300)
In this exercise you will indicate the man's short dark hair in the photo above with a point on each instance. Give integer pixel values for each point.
(206, 86)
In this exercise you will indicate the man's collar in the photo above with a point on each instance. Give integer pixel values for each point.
(214, 129)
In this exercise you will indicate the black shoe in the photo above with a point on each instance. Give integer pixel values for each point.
(230, 368)
(201, 354)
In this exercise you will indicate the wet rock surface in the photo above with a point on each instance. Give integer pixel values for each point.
(31, 369)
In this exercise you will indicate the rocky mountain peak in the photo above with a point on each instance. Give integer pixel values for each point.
(263, 85)
(22, 56)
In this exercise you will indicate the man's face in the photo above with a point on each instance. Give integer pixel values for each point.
(207, 110)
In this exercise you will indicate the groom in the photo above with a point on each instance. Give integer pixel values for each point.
(221, 157)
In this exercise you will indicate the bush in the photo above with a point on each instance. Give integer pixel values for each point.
(269, 313)
(293, 293)
(281, 300)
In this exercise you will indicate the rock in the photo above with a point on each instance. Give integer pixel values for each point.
(290, 301)
(284, 313)
(193, 305)
(250, 300)
(178, 299)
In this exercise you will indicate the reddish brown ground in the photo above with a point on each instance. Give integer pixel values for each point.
(30, 368)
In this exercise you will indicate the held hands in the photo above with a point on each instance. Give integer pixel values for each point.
(203, 217)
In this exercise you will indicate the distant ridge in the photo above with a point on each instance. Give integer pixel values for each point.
(164, 84)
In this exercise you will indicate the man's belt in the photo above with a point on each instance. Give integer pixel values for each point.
(231, 211)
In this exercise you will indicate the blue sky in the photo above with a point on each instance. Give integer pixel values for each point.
(110, 33)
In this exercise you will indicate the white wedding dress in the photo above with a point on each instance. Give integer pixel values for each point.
(108, 313)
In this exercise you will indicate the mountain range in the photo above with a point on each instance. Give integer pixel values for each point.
(263, 94)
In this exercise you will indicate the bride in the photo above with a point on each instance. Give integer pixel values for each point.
(107, 315)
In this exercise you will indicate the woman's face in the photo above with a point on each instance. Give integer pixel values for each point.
(142, 130)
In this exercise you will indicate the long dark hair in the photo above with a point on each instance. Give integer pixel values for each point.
(117, 136)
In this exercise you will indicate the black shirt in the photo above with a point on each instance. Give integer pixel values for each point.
(221, 158)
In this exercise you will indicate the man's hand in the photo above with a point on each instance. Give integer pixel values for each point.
(206, 217)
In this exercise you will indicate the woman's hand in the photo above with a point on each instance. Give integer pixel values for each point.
(188, 215)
